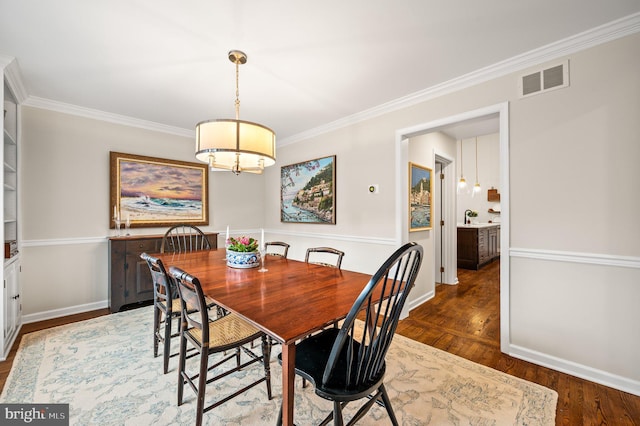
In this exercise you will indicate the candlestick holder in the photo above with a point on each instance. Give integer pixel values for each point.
(263, 253)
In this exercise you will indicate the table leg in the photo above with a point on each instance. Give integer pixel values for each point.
(288, 380)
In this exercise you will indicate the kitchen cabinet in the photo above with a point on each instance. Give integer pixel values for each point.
(12, 305)
(477, 245)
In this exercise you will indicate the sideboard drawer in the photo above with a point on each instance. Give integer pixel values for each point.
(141, 246)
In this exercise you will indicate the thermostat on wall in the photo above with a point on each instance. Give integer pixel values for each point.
(373, 189)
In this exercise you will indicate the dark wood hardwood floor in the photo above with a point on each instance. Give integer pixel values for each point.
(465, 320)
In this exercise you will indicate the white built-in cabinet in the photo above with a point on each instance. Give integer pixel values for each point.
(11, 305)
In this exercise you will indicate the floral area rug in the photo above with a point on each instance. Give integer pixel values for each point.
(105, 370)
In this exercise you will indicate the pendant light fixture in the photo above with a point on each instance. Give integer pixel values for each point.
(476, 187)
(234, 144)
(462, 183)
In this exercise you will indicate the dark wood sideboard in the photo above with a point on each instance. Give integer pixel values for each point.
(129, 276)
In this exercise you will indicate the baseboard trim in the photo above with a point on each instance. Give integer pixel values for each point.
(63, 312)
(415, 303)
(578, 370)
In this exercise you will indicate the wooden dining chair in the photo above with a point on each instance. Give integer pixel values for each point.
(166, 307)
(277, 248)
(208, 337)
(184, 238)
(324, 256)
(348, 364)
(187, 238)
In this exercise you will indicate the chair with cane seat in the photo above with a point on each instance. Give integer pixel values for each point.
(165, 304)
(277, 248)
(321, 255)
(208, 337)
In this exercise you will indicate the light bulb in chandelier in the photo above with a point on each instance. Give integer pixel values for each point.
(476, 189)
(462, 183)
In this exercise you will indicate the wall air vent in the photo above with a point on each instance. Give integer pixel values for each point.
(544, 80)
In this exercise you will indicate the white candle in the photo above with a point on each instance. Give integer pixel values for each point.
(115, 214)
(262, 239)
(226, 241)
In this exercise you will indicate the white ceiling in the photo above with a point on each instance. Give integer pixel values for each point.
(309, 63)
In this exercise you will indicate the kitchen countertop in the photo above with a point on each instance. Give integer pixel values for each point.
(478, 225)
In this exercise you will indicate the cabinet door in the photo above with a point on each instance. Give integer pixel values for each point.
(483, 246)
(139, 285)
(467, 248)
(493, 243)
(117, 276)
(12, 303)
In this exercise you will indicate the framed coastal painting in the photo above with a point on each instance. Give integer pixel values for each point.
(308, 191)
(420, 190)
(154, 192)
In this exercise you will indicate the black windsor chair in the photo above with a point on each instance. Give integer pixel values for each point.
(348, 364)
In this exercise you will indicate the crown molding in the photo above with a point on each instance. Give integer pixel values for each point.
(12, 74)
(611, 31)
(34, 101)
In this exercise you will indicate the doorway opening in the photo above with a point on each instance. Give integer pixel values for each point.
(471, 120)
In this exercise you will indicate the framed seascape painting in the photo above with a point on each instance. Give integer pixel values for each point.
(152, 192)
(308, 191)
(420, 190)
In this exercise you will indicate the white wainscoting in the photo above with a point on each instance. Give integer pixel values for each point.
(575, 313)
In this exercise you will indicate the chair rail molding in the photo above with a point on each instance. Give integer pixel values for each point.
(337, 237)
(576, 257)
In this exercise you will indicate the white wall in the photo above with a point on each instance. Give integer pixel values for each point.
(573, 178)
(573, 256)
(364, 221)
(65, 205)
(488, 176)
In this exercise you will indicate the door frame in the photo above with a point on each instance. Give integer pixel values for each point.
(402, 137)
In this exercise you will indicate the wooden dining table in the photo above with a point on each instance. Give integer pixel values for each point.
(289, 301)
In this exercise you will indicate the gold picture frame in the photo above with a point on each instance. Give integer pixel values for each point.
(420, 191)
(157, 192)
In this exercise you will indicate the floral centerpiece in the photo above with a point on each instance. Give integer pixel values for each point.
(242, 252)
(242, 244)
